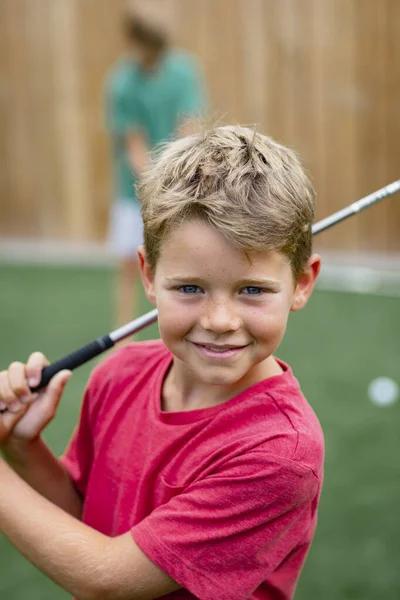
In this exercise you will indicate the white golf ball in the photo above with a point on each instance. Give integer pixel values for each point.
(383, 391)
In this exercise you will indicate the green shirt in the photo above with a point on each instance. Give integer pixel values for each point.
(152, 102)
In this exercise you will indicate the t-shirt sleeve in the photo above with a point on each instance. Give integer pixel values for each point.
(122, 111)
(192, 101)
(223, 535)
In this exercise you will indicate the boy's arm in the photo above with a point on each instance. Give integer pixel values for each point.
(138, 151)
(81, 560)
(123, 120)
(36, 464)
(21, 424)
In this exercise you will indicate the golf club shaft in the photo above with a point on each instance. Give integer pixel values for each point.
(82, 355)
(93, 349)
(356, 207)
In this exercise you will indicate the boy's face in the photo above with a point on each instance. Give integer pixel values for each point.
(220, 314)
(143, 54)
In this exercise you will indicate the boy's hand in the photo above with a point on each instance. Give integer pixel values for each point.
(28, 413)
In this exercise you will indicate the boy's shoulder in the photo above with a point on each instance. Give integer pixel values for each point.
(131, 362)
(301, 420)
(181, 62)
(122, 377)
(131, 359)
(120, 76)
(275, 419)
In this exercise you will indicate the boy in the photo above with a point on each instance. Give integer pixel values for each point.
(153, 93)
(196, 467)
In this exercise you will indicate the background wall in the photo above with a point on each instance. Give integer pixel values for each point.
(319, 75)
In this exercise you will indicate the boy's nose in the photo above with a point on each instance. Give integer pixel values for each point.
(220, 317)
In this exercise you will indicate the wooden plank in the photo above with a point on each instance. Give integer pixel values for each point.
(370, 118)
(99, 44)
(340, 104)
(22, 212)
(392, 120)
(254, 59)
(40, 88)
(5, 102)
(288, 34)
(221, 59)
(306, 81)
(321, 15)
(73, 145)
(278, 120)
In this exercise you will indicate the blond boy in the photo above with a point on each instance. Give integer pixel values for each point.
(196, 467)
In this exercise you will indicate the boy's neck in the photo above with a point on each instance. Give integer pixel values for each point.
(181, 392)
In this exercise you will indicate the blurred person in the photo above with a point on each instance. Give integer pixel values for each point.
(196, 467)
(153, 93)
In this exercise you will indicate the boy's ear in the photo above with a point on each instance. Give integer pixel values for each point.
(147, 275)
(306, 283)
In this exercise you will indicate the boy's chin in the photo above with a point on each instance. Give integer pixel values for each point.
(220, 376)
(235, 375)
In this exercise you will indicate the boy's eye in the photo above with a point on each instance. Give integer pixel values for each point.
(189, 289)
(252, 290)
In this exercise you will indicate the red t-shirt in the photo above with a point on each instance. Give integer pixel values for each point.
(223, 499)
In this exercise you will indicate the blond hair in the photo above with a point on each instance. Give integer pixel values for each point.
(245, 185)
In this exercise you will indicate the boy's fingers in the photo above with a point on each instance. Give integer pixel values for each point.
(54, 392)
(7, 397)
(9, 419)
(11, 409)
(57, 383)
(17, 381)
(34, 367)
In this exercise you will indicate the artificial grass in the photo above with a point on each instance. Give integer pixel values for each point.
(336, 346)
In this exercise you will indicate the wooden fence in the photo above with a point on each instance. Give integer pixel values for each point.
(322, 76)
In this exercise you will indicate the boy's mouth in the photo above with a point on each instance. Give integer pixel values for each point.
(219, 351)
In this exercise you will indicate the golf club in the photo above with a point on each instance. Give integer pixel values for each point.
(96, 347)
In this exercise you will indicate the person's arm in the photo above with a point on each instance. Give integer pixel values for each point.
(138, 152)
(83, 561)
(36, 464)
(122, 115)
(21, 424)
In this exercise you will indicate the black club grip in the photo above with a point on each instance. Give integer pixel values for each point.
(75, 359)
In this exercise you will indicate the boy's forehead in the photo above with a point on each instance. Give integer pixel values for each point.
(197, 247)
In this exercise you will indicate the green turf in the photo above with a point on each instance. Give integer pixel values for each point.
(336, 346)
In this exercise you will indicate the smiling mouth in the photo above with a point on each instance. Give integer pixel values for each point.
(219, 351)
(215, 348)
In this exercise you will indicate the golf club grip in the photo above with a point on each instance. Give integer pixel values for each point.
(75, 359)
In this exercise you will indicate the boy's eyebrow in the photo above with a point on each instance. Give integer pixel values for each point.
(256, 282)
(264, 281)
